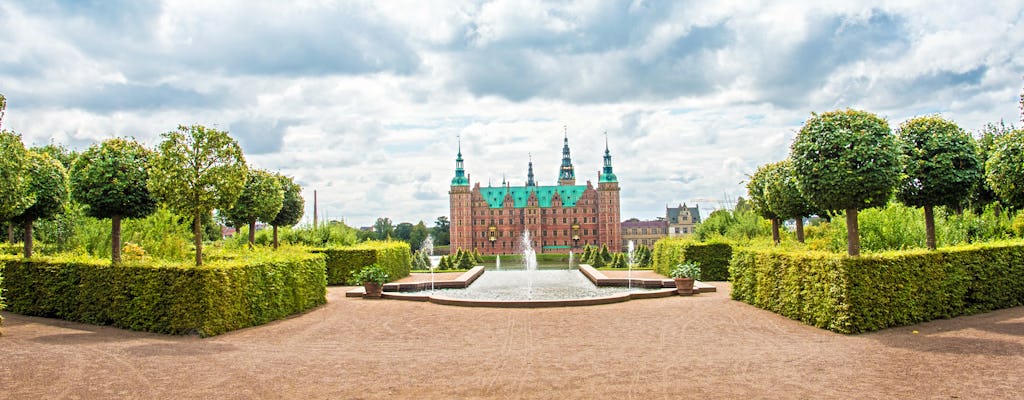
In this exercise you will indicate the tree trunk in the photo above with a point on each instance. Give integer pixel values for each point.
(852, 233)
(10, 232)
(275, 237)
(115, 239)
(929, 226)
(800, 229)
(252, 235)
(775, 231)
(198, 238)
(27, 225)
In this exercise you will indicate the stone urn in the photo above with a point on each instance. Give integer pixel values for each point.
(374, 289)
(684, 286)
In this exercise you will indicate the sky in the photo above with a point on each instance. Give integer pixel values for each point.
(366, 101)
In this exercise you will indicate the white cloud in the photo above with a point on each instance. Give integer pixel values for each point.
(363, 101)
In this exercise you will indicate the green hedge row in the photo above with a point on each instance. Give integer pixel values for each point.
(342, 262)
(872, 292)
(713, 256)
(177, 299)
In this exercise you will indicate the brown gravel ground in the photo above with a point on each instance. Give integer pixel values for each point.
(680, 347)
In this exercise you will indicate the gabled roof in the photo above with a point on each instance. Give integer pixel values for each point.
(495, 196)
(672, 213)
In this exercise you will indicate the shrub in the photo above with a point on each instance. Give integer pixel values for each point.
(371, 273)
(872, 292)
(713, 257)
(175, 298)
(393, 256)
(686, 270)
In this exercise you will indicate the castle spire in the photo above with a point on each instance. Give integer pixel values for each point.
(529, 175)
(606, 174)
(566, 174)
(460, 171)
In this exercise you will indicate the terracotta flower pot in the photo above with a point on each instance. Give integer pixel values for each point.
(373, 290)
(684, 286)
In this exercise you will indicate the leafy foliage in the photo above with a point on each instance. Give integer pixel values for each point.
(713, 257)
(371, 273)
(757, 188)
(688, 269)
(861, 294)
(940, 163)
(1005, 168)
(231, 292)
(48, 183)
(196, 170)
(343, 262)
(15, 195)
(982, 194)
(292, 205)
(784, 196)
(110, 180)
(260, 200)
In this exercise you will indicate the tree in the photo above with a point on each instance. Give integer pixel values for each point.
(260, 200)
(940, 166)
(786, 200)
(48, 183)
(1004, 169)
(402, 231)
(110, 180)
(846, 160)
(382, 228)
(195, 170)
(758, 186)
(418, 235)
(292, 206)
(982, 195)
(441, 231)
(15, 195)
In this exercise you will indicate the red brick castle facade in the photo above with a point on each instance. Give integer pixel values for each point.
(560, 218)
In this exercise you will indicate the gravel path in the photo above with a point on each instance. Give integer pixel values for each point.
(699, 346)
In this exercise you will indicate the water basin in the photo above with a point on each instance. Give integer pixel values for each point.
(539, 284)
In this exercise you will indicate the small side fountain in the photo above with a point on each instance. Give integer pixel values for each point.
(529, 261)
(497, 262)
(570, 259)
(428, 247)
(630, 259)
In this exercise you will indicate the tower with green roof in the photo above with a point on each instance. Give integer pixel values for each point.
(560, 218)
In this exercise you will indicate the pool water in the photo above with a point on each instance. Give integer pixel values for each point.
(540, 284)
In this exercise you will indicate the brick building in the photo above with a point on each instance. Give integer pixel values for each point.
(560, 218)
(643, 233)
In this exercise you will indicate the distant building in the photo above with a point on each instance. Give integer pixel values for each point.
(643, 232)
(681, 220)
(678, 221)
(559, 218)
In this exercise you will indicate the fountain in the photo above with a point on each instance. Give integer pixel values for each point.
(629, 264)
(428, 247)
(529, 261)
(570, 259)
(497, 262)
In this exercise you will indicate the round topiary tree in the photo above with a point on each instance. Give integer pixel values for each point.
(15, 195)
(757, 188)
(260, 200)
(110, 180)
(292, 205)
(846, 160)
(1004, 169)
(940, 167)
(194, 171)
(785, 199)
(48, 184)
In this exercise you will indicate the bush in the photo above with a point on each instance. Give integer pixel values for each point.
(713, 257)
(223, 295)
(395, 257)
(872, 292)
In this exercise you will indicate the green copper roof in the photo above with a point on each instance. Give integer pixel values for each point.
(569, 194)
(606, 174)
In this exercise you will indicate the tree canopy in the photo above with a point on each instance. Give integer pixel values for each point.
(110, 180)
(48, 183)
(260, 200)
(15, 195)
(846, 160)
(758, 187)
(292, 206)
(195, 170)
(1005, 169)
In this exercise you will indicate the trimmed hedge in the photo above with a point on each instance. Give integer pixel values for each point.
(177, 299)
(713, 256)
(343, 262)
(871, 292)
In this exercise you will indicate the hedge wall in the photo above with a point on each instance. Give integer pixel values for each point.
(176, 299)
(713, 257)
(872, 292)
(342, 262)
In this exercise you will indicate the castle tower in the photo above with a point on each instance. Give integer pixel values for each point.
(566, 174)
(608, 204)
(529, 175)
(461, 214)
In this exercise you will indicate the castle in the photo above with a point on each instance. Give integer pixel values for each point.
(560, 218)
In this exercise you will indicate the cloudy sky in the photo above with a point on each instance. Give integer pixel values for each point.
(363, 101)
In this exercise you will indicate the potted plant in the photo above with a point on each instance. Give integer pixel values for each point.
(372, 277)
(684, 274)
